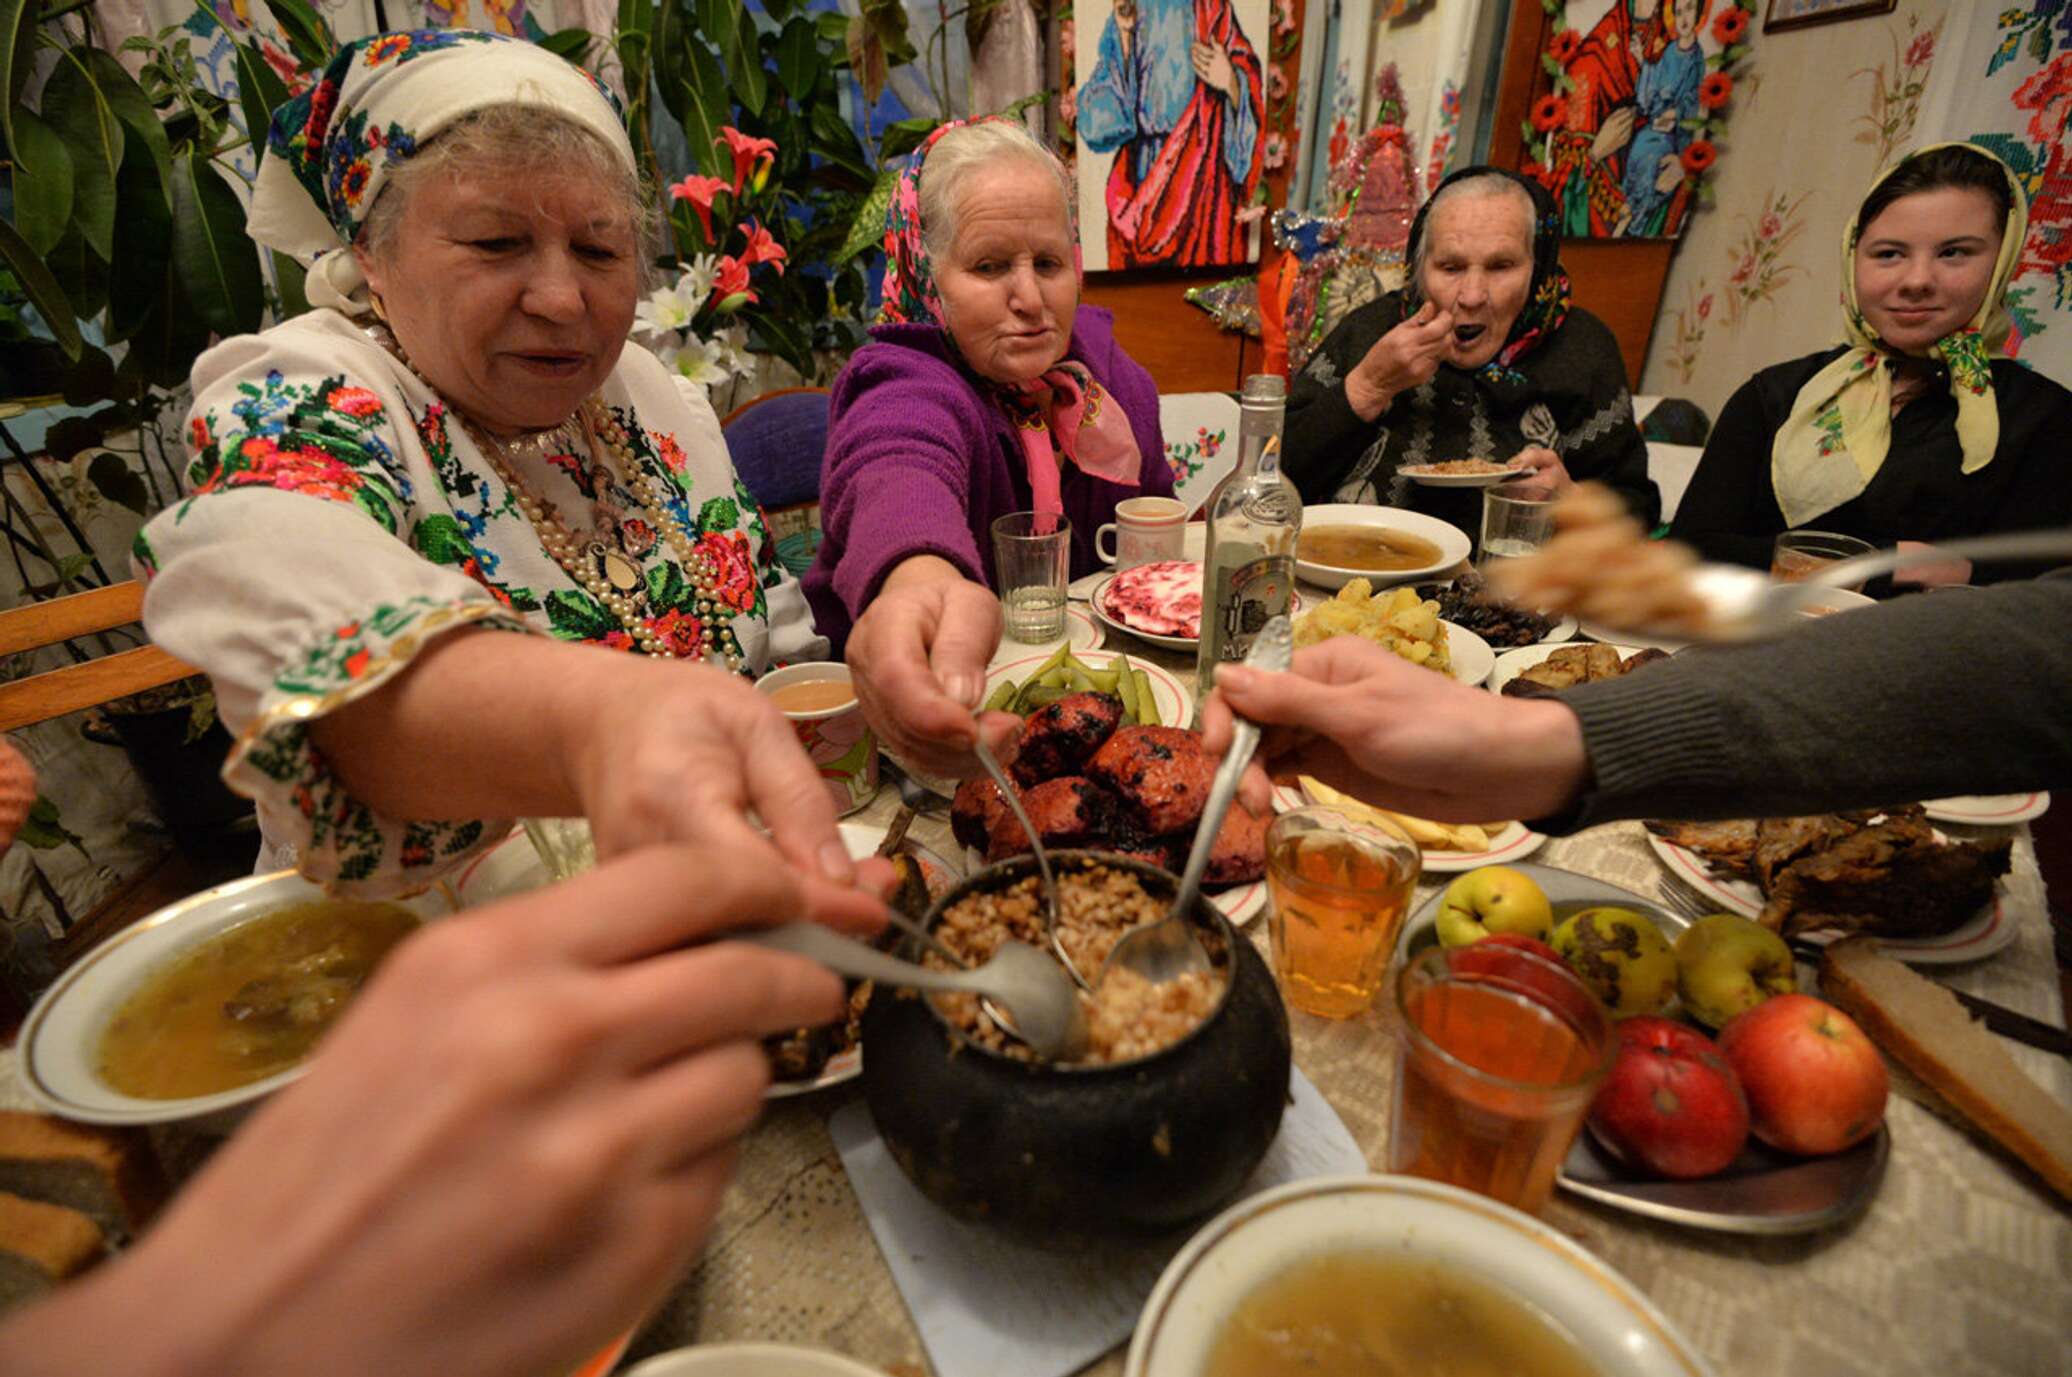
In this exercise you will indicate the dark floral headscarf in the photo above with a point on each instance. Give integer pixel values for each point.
(1547, 298)
(375, 103)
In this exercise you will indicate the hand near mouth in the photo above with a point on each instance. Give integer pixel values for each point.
(1405, 357)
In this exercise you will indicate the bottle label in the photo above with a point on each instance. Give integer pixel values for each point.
(1252, 595)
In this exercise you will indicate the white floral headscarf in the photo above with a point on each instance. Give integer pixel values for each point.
(378, 100)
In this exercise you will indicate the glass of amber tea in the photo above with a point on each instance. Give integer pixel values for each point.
(1798, 555)
(1340, 888)
(1498, 1054)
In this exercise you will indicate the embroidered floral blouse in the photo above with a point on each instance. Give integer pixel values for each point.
(340, 518)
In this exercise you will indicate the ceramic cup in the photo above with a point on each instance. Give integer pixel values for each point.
(1145, 531)
(830, 725)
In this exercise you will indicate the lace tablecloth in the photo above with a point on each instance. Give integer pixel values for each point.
(1962, 1264)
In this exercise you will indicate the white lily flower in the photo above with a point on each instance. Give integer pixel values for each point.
(702, 361)
(733, 341)
(667, 310)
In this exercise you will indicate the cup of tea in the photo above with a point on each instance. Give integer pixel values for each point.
(1339, 887)
(1498, 1054)
(1145, 531)
(820, 701)
(1798, 555)
(1031, 553)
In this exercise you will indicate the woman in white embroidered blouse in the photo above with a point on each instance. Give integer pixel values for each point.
(459, 441)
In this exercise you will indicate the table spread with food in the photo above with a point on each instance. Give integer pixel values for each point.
(1906, 1240)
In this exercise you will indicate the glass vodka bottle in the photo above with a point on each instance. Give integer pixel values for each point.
(1248, 569)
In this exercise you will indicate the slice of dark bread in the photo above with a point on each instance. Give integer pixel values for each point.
(109, 1175)
(41, 1245)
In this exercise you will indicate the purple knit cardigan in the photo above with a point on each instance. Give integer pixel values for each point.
(920, 461)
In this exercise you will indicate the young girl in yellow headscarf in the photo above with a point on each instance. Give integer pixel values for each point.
(1913, 431)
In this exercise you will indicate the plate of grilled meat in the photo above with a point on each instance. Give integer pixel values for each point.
(1885, 873)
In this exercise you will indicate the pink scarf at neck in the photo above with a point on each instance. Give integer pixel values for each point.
(1066, 415)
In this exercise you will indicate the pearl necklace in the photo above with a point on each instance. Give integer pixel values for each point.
(610, 577)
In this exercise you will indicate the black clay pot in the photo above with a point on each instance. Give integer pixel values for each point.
(1062, 1155)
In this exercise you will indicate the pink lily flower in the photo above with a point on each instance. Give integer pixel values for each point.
(730, 289)
(699, 191)
(762, 248)
(756, 154)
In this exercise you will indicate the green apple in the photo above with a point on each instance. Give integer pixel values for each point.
(1727, 964)
(1622, 956)
(1493, 898)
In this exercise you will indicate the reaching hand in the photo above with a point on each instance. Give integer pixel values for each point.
(1946, 574)
(1406, 357)
(680, 753)
(1365, 721)
(1212, 65)
(504, 1154)
(1548, 480)
(919, 653)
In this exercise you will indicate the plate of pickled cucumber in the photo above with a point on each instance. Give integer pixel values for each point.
(1150, 696)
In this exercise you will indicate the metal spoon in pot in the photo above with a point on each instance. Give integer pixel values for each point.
(1050, 883)
(1168, 949)
(1043, 1005)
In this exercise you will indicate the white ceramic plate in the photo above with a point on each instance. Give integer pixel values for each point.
(1081, 630)
(1988, 810)
(1468, 654)
(1634, 640)
(62, 1034)
(513, 867)
(1418, 474)
(1452, 541)
(1988, 930)
(1513, 841)
(1512, 663)
(1175, 703)
(1618, 1330)
(751, 1360)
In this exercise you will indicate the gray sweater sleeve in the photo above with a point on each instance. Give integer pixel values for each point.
(1963, 692)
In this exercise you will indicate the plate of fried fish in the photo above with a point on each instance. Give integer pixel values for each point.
(1928, 900)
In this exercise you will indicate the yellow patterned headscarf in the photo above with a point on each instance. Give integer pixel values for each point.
(1840, 427)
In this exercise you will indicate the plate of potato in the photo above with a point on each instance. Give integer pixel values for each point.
(1398, 620)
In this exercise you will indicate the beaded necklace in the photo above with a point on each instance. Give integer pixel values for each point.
(607, 575)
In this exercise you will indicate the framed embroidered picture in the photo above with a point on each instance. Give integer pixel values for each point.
(1797, 14)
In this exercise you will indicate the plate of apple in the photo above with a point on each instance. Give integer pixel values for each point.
(1733, 1102)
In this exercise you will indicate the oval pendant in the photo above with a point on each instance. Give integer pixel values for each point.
(619, 571)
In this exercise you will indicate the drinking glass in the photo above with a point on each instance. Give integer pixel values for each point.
(1797, 555)
(1498, 1053)
(1512, 523)
(1030, 552)
(1340, 888)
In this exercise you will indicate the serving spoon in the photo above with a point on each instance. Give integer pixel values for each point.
(1747, 604)
(1039, 999)
(1168, 949)
(1050, 883)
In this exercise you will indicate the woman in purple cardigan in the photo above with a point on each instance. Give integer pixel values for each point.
(987, 389)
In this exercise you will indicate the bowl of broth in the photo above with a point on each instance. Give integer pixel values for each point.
(202, 1009)
(819, 699)
(1384, 545)
(1394, 1273)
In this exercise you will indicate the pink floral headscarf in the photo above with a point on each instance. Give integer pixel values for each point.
(1063, 416)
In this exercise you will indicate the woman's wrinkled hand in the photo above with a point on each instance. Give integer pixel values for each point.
(681, 753)
(1369, 723)
(1406, 357)
(1549, 477)
(919, 655)
(1945, 574)
(502, 1157)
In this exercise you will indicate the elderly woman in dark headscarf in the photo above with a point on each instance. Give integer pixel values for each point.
(1480, 356)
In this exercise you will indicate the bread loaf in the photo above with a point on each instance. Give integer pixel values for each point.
(109, 1175)
(1923, 1027)
(41, 1245)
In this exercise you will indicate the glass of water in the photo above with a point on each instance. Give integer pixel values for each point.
(1513, 524)
(1030, 554)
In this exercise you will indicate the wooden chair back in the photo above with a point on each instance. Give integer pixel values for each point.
(56, 692)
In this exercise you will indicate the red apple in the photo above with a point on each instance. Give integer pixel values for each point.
(1672, 1104)
(1815, 1083)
